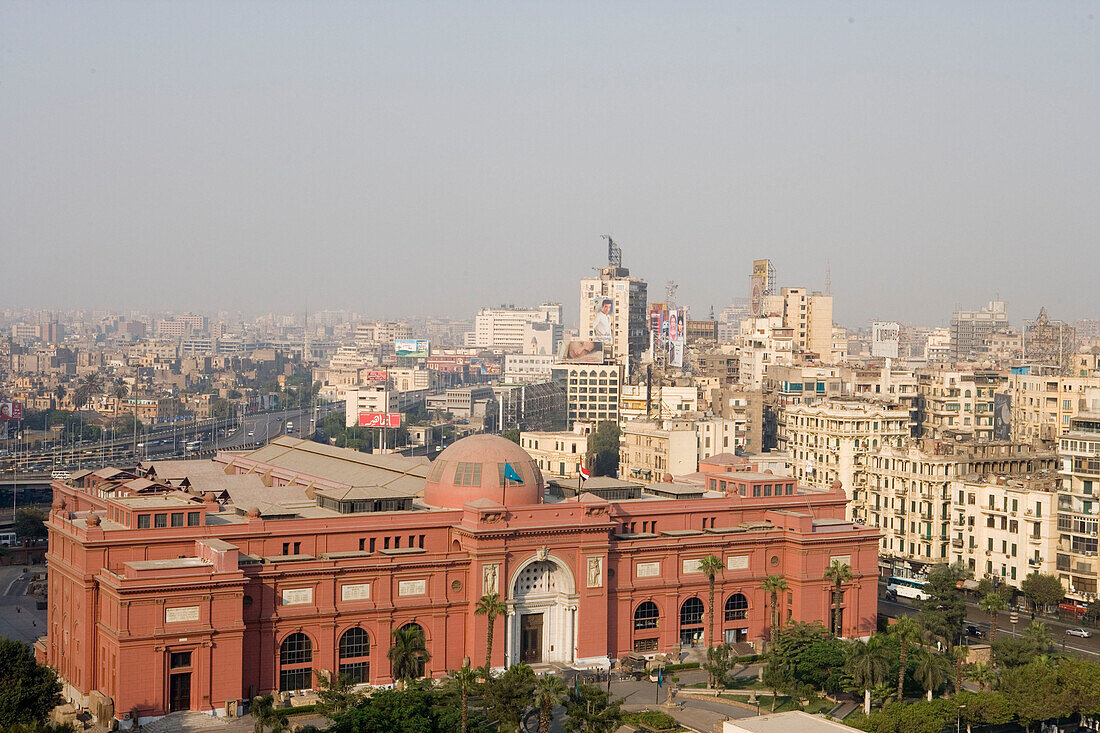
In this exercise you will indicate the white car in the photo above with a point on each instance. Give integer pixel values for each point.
(1083, 633)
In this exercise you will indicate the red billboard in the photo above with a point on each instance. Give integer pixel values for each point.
(11, 410)
(379, 419)
(377, 376)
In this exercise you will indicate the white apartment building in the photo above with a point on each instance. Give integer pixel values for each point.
(1079, 506)
(665, 402)
(505, 327)
(1044, 403)
(629, 328)
(591, 390)
(969, 330)
(957, 405)
(939, 346)
(528, 368)
(833, 442)
(558, 454)
(381, 332)
(650, 449)
(810, 318)
(763, 342)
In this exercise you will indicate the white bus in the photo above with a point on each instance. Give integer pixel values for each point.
(193, 446)
(907, 588)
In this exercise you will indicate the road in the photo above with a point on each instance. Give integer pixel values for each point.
(18, 618)
(974, 615)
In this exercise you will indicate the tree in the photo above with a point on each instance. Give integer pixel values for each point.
(509, 695)
(419, 708)
(839, 573)
(1043, 591)
(30, 522)
(28, 690)
(335, 693)
(603, 453)
(960, 655)
(984, 675)
(944, 611)
(409, 653)
(490, 606)
(811, 654)
(931, 672)
(710, 566)
(265, 715)
(773, 585)
(992, 603)
(589, 709)
(1038, 637)
(511, 434)
(720, 661)
(59, 393)
(906, 631)
(549, 691)
(777, 676)
(465, 680)
(868, 664)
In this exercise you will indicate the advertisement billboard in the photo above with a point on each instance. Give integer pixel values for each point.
(762, 270)
(379, 419)
(884, 339)
(11, 410)
(669, 328)
(377, 376)
(581, 352)
(1002, 417)
(417, 348)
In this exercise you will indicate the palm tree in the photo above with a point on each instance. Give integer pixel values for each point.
(466, 681)
(59, 393)
(409, 654)
(960, 654)
(774, 585)
(491, 606)
(549, 690)
(991, 604)
(907, 631)
(932, 669)
(710, 566)
(868, 664)
(983, 675)
(840, 573)
(1039, 637)
(266, 715)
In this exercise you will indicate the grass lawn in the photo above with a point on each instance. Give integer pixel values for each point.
(784, 703)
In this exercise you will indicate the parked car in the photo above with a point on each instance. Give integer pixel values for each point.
(976, 632)
(1083, 633)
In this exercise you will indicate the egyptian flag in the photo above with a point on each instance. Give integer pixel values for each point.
(585, 473)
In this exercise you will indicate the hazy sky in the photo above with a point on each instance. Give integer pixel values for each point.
(402, 158)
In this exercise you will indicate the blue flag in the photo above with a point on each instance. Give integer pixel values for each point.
(660, 676)
(510, 474)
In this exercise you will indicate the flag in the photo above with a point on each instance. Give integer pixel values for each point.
(585, 473)
(660, 676)
(510, 474)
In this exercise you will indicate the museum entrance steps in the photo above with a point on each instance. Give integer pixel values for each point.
(185, 722)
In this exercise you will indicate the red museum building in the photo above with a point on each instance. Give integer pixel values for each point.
(195, 584)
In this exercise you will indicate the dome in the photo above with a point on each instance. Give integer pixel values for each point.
(474, 468)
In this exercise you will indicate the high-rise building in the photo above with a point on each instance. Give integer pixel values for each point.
(1079, 505)
(969, 330)
(1048, 342)
(613, 312)
(592, 391)
(505, 327)
(810, 318)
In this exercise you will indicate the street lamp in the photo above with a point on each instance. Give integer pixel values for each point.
(958, 718)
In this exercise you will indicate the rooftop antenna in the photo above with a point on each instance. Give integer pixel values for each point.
(670, 292)
(828, 279)
(614, 252)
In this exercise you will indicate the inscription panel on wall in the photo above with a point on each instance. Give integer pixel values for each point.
(181, 613)
(691, 566)
(648, 569)
(737, 562)
(297, 596)
(412, 587)
(842, 559)
(355, 592)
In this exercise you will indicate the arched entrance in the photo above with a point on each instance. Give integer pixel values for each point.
(542, 612)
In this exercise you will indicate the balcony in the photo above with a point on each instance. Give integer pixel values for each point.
(957, 542)
(1034, 540)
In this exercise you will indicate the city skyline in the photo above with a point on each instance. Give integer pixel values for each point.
(455, 157)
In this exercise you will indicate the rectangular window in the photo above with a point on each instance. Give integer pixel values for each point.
(295, 679)
(177, 519)
(179, 659)
(372, 544)
(143, 521)
(160, 520)
(357, 672)
(192, 519)
(297, 548)
(286, 548)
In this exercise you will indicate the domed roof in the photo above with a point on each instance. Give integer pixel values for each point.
(483, 467)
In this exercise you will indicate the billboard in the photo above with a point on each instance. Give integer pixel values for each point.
(417, 348)
(1002, 417)
(376, 376)
(762, 269)
(11, 410)
(581, 352)
(601, 320)
(884, 339)
(379, 419)
(669, 335)
(3, 430)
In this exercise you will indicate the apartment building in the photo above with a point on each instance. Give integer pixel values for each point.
(629, 328)
(969, 330)
(957, 405)
(505, 327)
(911, 493)
(650, 449)
(833, 442)
(1045, 402)
(1079, 506)
(591, 391)
(810, 318)
(663, 402)
(521, 368)
(763, 342)
(558, 454)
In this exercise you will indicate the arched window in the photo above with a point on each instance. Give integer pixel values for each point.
(295, 663)
(737, 607)
(646, 615)
(691, 613)
(355, 655)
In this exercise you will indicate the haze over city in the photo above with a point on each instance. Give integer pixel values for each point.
(413, 159)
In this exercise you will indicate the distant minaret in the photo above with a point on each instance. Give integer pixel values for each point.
(828, 279)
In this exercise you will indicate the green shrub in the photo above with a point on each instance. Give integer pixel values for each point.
(653, 720)
(678, 667)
